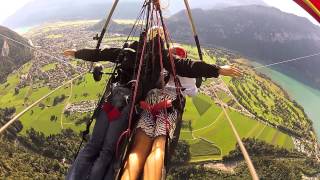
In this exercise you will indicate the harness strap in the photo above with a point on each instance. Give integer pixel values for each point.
(156, 108)
(113, 113)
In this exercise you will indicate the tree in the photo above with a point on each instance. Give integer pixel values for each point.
(181, 154)
(53, 118)
(16, 91)
(58, 99)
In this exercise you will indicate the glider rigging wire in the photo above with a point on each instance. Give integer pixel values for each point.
(242, 147)
(104, 29)
(41, 51)
(289, 60)
(47, 95)
(35, 103)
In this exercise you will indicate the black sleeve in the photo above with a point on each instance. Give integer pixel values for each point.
(94, 55)
(193, 69)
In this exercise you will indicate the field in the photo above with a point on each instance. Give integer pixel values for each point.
(269, 102)
(39, 116)
(212, 126)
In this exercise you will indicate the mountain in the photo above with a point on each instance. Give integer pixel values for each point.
(40, 11)
(12, 54)
(265, 34)
(177, 5)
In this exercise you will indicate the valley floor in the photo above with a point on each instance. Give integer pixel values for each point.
(259, 108)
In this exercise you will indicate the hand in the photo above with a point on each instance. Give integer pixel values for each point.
(229, 71)
(69, 53)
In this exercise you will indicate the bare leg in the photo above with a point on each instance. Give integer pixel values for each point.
(137, 157)
(154, 164)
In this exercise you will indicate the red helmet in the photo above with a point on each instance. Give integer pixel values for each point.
(178, 51)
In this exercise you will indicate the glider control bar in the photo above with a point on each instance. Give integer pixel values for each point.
(194, 30)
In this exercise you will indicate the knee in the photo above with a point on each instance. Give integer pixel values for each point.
(133, 159)
(156, 155)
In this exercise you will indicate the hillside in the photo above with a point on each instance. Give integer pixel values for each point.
(264, 34)
(12, 55)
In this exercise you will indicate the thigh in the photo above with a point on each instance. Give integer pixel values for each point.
(99, 129)
(142, 143)
(91, 150)
(138, 155)
(115, 129)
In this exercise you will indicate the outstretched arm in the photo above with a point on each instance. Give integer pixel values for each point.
(94, 55)
(198, 69)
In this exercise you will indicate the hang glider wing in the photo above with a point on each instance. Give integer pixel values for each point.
(311, 6)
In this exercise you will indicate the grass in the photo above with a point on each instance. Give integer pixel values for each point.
(49, 67)
(38, 118)
(268, 101)
(201, 105)
(214, 127)
(87, 89)
(204, 148)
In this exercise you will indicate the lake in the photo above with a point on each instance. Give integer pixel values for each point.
(307, 97)
(23, 30)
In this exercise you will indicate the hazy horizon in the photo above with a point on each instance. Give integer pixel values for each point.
(10, 7)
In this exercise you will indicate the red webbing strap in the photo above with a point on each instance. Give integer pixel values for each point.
(156, 108)
(135, 86)
(133, 99)
(112, 112)
(173, 68)
(160, 54)
(137, 79)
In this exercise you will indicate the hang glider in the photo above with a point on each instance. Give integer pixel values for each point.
(311, 6)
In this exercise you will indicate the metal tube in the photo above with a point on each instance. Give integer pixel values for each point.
(196, 38)
(194, 30)
(107, 23)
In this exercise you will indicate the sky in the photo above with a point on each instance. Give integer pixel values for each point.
(9, 7)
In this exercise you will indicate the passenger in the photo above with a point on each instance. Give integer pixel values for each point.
(95, 158)
(158, 120)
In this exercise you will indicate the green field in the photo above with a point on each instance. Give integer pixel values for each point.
(49, 67)
(214, 127)
(39, 118)
(269, 102)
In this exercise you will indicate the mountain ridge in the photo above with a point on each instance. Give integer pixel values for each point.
(41, 11)
(264, 34)
(16, 54)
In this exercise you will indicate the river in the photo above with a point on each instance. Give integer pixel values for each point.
(307, 97)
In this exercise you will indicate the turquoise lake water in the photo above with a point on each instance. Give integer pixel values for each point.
(23, 30)
(307, 97)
